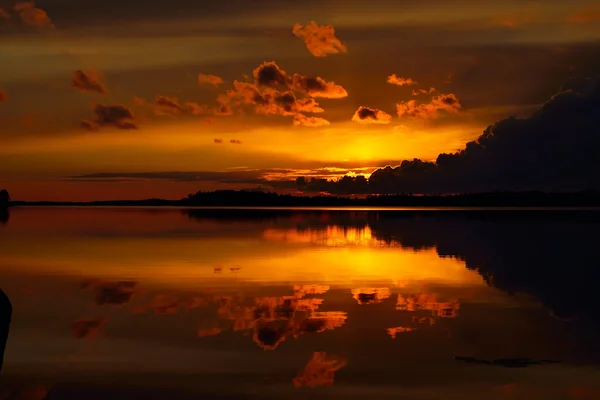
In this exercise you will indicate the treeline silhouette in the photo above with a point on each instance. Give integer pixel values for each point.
(252, 198)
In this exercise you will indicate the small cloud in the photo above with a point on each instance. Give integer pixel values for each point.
(400, 81)
(87, 82)
(320, 40)
(311, 122)
(111, 293)
(370, 295)
(443, 102)
(393, 332)
(164, 104)
(163, 304)
(318, 87)
(209, 80)
(117, 115)
(3, 96)
(320, 371)
(366, 115)
(4, 14)
(87, 328)
(418, 92)
(270, 74)
(33, 16)
(197, 109)
(208, 332)
(235, 141)
(218, 141)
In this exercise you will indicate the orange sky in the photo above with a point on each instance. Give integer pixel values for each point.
(396, 81)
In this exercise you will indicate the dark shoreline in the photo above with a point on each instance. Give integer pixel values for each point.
(242, 199)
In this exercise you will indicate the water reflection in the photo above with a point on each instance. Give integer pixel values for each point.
(282, 299)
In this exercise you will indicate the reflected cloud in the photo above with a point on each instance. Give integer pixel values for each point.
(87, 328)
(371, 295)
(273, 319)
(428, 301)
(111, 293)
(399, 329)
(320, 370)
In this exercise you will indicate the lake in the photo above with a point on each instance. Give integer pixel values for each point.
(282, 304)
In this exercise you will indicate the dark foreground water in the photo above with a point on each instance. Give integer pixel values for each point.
(284, 304)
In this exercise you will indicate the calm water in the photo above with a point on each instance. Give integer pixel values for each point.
(272, 304)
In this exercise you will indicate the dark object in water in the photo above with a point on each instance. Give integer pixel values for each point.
(506, 362)
(5, 316)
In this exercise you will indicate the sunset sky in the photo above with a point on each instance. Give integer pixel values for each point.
(132, 99)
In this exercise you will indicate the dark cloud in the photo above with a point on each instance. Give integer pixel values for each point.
(168, 104)
(235, 141)
(318, 87)
(4, 14)
(218, 141)
(320, 40)
(87, 82)
(114, 293)
(2, 96)
(117, 115)
(33, 16)
(269, 74)
(366, 115)
(87, 328)
(554, 150)
(275, 92)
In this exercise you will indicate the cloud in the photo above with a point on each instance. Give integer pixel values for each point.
(209, 80)
(417, 92)
(204, 332)
(555, 149)
(172, 106)
(167, 105)
(274, 92)
(311, 122)
(235, 141)
(320, 40)
(218, 141)
(33, 16)
(585, 15)
(117, 115)
(87, 328)
(318, 87)
(371, 295)
(4, 14)
(223, 110)
(320, 370)
(117, 293)
(87, 82)
(3, 96)
(272, 101)
(270, 74)
(198, 109)
(393, 332)
(366, 115)
(400, 81)
(445, 102)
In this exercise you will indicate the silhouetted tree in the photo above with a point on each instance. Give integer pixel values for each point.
(4, 198)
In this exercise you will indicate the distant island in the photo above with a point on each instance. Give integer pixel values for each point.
(252, 198)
